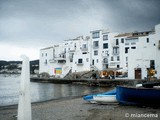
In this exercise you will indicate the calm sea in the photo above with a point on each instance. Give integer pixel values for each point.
(9, 90)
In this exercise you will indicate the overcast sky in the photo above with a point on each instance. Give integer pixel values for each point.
(28, 25)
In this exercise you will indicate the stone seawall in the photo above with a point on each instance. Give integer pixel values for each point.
(98, 82)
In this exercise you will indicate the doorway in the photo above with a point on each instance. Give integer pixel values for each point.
(138, 74)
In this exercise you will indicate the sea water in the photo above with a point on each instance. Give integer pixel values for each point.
(9, 90)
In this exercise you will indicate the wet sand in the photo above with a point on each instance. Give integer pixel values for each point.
(77, 109)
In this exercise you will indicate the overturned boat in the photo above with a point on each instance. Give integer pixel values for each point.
(138, 96)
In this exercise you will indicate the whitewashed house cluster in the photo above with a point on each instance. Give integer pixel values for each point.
(130, 53)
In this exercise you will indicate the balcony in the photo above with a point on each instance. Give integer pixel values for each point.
(52, 61)
(105, 54)
(115, 53)
(84, 49)
(79, 63)
(95, 47)
(72, 49)
(61, 58)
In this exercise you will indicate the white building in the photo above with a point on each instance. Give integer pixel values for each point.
(103, 50)
(145, 56)
(101, 45)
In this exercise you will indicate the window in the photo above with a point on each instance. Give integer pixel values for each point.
(112, 59)
(117, 42)
(122, 40)
(147, 40)
(84, 46)
(95, 35)
(42, 54)
(45, 61)
(93, 62)
(97, 60)
(95, 44)
(80, 60)
(64, 50)
(152, 64)
(115, 50)
(71, 60)
(105, 46)
(46, 54)
(87, 59)
(126, 58)
(105, 60)
(133, 47)
(105, 37)
(118, 66)
(118, 58)
(126, 49)
(96, 52)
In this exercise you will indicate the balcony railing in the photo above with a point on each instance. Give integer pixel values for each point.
(84, 49)
(52, 61)
(105, 54)
(115, 53)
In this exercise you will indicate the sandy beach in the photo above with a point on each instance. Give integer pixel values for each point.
(76, 108)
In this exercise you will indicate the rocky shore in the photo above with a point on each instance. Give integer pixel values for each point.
(77, 109)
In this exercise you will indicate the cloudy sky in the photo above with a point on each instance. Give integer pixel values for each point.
(28, 25)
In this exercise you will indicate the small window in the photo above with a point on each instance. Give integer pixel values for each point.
(84, 53)
(80, 60)
(96, 52)
(133, 47)
(105, 60)
(93, 62)
(105, 46)
(117, 42)
(97, 60)
(95, 35)
(126, 58)
(112, 59)
(46, 54)
(118, 66)
(42, 54)
(118, 58)
(147, 40)
(152, 64)
(105, 37)
(84, 46)
(95, 44)
(45, 62)
(87, 59)
(126, 49)
(122, 40)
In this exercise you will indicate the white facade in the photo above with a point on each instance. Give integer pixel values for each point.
(147, 51)
(101, 45)
(103, 50)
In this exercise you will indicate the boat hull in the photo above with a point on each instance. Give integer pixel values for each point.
(105, 99)
(138, 96)
(89, 98)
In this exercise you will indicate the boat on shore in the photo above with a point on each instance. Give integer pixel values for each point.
(89, 98)
(105, 99)
(138, 96)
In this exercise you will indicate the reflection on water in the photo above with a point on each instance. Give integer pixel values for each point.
(9, 88)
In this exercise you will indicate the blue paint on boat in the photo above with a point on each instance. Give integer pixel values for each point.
(90, 97)
(138, 96)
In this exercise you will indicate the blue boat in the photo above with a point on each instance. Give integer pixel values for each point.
(89, 98)
(138, 96)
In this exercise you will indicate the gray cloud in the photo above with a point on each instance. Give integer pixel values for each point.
(40, 23)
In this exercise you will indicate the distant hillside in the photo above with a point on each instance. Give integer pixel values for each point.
(15, 66)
